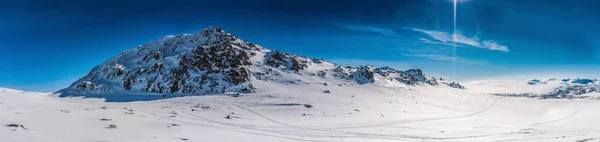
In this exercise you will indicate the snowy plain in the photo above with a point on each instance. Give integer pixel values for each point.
(277, 113)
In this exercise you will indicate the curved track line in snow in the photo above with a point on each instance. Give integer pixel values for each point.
(412, 121)
(307, 132)
(235, 128)
(556, 120)
(265, 117)
(242, 128)
(359, 135)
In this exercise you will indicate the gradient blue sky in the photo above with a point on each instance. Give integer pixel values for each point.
(45, 45)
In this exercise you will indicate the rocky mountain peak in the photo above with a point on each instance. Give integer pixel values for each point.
(213, 61)
(212, 29)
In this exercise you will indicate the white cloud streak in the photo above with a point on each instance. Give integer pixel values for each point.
(439, 57)
(379, 30)
(461, 39)
(493, 45)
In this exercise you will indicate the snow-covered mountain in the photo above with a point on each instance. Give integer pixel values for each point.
(213, 62)
(573, 88)
(541, 88)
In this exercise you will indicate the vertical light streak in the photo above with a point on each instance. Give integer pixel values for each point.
(454, 43)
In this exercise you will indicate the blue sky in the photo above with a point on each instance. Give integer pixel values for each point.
(45, 45)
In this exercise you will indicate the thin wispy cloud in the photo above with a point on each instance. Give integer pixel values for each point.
(373, 29)
(447, 38)
(440, 36)
(493, 45)
(439, 57)
(428, 41)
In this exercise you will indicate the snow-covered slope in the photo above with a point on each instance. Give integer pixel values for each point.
(279, 112)
(214, 62)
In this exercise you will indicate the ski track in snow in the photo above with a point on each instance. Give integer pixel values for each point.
(297, 130)
(304, 132)
(559, 119)
(394, 122)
